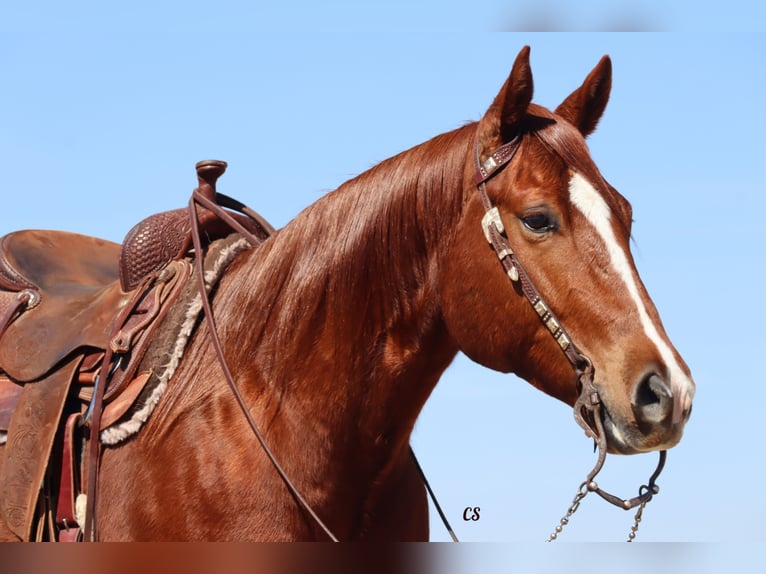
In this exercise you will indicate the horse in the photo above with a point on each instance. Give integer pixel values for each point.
(338, 327)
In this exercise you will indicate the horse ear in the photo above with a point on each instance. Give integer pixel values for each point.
(584, 106)
(501, 122)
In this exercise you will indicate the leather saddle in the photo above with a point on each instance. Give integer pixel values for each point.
(69, 303)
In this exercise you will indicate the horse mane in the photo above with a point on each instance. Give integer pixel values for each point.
(354, 261)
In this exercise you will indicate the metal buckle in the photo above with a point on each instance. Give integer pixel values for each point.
(489, 166)
(492, 216)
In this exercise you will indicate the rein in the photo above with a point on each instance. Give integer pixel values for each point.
(206, 196)
(588, 406)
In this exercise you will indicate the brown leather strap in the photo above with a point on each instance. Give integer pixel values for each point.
(92, 418)
(114, 410)
(221, 201)
(496, 161)
(205, 195)
(69, 484)
(495, 233)
(94, 449)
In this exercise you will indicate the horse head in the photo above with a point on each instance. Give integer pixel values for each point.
(571, 231)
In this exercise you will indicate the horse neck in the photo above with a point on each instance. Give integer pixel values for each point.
(338, 314)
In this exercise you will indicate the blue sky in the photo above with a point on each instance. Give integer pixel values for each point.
(105, 108)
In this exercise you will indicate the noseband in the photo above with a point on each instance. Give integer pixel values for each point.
(588, 406)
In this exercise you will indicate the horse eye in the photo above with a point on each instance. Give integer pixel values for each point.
(538, 222)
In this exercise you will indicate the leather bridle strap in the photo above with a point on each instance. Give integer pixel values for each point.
(494, 231)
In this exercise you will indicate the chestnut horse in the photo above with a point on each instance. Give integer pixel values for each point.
(340, 325)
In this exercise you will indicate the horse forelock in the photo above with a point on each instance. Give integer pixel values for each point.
(564, 140)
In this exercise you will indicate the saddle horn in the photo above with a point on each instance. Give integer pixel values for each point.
(208, 172)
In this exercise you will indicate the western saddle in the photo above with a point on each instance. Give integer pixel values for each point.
(77, 315)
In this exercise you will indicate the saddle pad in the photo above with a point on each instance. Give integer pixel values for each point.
(169, 341)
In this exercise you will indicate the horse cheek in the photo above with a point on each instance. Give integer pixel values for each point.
(476, 302)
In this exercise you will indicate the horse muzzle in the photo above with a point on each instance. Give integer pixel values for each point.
(656, 419)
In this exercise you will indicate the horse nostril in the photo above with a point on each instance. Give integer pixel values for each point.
(653, 399)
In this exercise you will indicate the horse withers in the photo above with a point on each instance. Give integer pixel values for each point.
(337, 328)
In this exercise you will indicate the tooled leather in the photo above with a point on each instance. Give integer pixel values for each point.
(495, 161)
(38, 340)
(164, 237)
(151, 244)
(30, 439)
(9, 278)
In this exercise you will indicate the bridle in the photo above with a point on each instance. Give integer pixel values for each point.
(588, 406)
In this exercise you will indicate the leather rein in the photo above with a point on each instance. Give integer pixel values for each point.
(588, 406)
(205, 196)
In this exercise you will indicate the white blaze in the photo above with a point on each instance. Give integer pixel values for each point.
(592, 205)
